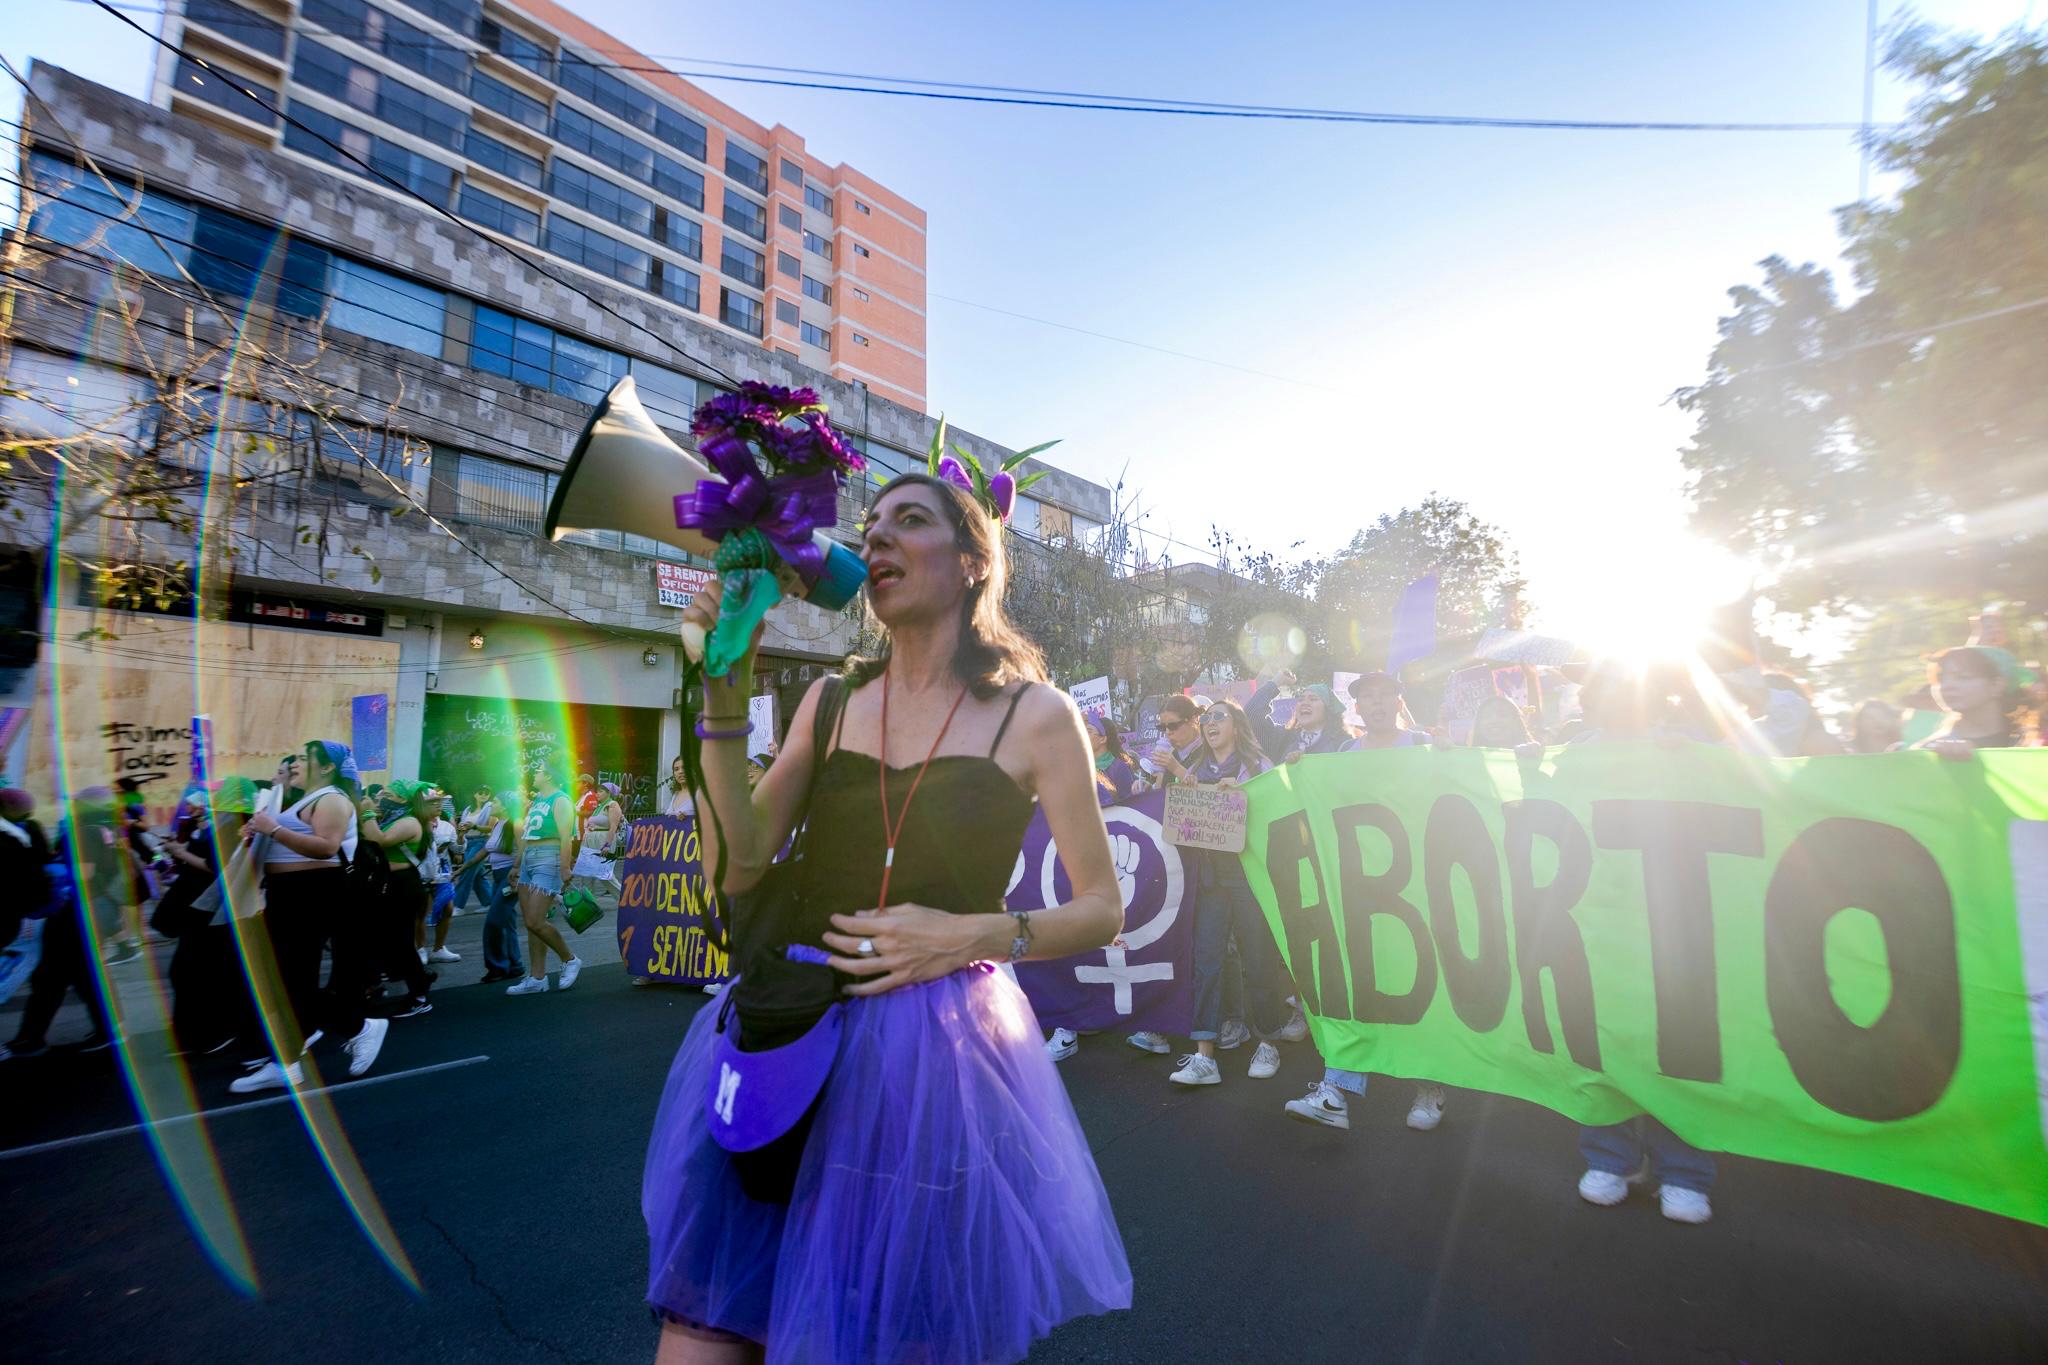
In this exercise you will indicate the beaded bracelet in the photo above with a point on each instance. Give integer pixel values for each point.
(740, 733)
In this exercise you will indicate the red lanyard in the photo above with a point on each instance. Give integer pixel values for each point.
(889, 833)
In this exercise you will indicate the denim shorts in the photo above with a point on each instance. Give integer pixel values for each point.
(540, 867)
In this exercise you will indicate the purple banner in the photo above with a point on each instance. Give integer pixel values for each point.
(662, 911)
(1414, 634)
(1144, 980)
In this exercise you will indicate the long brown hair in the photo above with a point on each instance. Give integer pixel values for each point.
(992, 652)
(1247, 749)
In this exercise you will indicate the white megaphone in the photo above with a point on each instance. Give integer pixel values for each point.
(625, 474)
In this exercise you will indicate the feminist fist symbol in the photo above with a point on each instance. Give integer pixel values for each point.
(1124, 852)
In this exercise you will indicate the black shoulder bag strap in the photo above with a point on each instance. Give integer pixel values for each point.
(830, 699)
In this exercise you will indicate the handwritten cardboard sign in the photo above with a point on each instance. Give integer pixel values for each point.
(1206, 817)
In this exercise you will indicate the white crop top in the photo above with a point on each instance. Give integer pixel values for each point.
(295, 822)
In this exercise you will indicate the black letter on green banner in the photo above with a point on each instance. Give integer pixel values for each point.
(1365, 897)
(1900, 1065)
(1457, 837)
(1675, 838)
(1546, 936)
(1321, 987)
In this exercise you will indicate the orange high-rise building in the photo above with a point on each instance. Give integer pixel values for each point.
(530, 121)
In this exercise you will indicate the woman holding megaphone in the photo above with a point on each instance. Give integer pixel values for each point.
(901, 1176)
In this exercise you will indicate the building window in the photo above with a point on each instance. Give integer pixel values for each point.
(593, 193)
(863, 208)
(515, 47)
(75, 209)
(583, 371)
(250, 29)
(513, 347)
(417, 50)
(495, 95)
(786, 264)
(682, 234)
(743, 166)
(460, 15)
(818, 245)
(591, 248)
(679, 131)
(669, 394)
(486, 492)
(678, 285)
(420, 114)
(742, 263)
(818, 199)
(677, 181)
(601, 142)
(815, 336)
(500, 215)
(227, 93)
(323, 70)
(861, 251)
(606, 91)
(792, 172)
(746, 216)
(787, 215)
(509, 162)
(342, 18)
(860, 294)
(311, 133)
(385, 307)
(817, 289)
(737, 310)
(429, 179)
(785, 312)
(859, 340)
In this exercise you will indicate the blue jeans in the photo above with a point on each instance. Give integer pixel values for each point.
(1225, 909)
(1617, 1148)
(1350, 1082)
(502, 925)
(473, 879)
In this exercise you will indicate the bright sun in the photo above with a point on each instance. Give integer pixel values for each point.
(1651, 603)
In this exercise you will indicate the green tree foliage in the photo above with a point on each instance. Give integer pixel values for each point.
(1478, 576)
(1889, 453)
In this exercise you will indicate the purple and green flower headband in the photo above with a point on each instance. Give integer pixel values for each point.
(997, 494)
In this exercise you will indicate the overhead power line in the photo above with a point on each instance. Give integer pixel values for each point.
(971, 92)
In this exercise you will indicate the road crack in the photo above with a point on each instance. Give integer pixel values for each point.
(497, 1299)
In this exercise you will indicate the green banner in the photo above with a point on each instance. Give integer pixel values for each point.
(1839, 962)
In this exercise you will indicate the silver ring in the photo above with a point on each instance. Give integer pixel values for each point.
(866, 947)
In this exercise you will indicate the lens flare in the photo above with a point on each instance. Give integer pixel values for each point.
(1270, 640)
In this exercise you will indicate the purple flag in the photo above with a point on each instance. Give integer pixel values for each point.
(1414, 633)
(1148, 982)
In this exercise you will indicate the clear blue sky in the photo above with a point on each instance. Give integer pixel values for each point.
(1496, 315)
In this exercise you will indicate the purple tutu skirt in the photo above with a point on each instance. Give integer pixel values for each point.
(946, 1206)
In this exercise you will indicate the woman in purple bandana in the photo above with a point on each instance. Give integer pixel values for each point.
(937, 1200)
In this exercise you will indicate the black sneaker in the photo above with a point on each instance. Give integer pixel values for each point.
(408, 1007)
(495, 974)
(19, 1048)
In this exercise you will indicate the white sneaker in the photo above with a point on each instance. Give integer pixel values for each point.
(269, 1076)
(1062, 1045)
(1150, 1042)
(444, 955)
(1684, 1206)
(1324, 1104)
(1195, 1069)
(423, 955)
(1265, 1062)
(1605, 1188)
(363, 1048)
(571, 969)
(528, 985)
(1233, 1035)
(1296, 1028)
(1428, 1110)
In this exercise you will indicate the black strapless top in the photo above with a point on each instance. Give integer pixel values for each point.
(959, 843)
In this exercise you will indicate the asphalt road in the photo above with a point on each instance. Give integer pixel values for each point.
(513, 1186)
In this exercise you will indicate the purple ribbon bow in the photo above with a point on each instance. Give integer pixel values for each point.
(787, 510)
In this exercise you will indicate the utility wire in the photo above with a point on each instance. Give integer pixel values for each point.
(1029, 96)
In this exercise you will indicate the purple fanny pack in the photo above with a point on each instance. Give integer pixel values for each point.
(753, 1098)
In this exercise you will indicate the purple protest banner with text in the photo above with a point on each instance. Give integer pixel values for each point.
(1146, 981)
(663, 915)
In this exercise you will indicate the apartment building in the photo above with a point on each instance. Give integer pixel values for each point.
(426, 383)
(529, 121)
